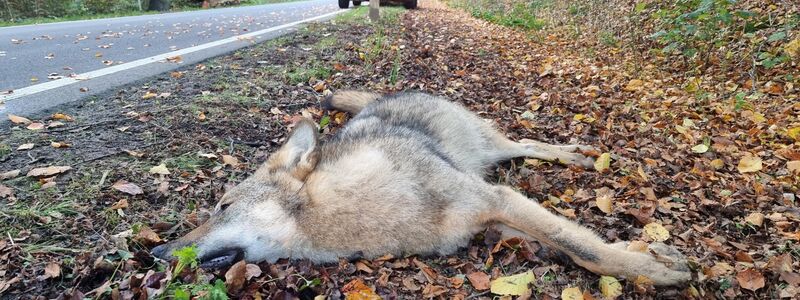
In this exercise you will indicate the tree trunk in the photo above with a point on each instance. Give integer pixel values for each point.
(159, 5)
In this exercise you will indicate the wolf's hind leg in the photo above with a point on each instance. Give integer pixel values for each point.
(584, 247)
(566, 154)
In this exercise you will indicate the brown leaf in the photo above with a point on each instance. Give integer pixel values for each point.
(230, 160)
(9, 174)
(750, 279)
(48, 171)
(251, 271)
(127, 187)
(52, 270)
(235, 277)
(120, 204)
(479, 280)
(6, 192)
(18, 120)
(147, 236)
(35, 126)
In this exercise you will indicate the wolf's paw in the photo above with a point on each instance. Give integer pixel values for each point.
(663, 264)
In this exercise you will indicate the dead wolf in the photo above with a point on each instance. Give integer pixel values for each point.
(404, 176)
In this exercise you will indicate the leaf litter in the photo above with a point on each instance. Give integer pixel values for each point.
(659, 183)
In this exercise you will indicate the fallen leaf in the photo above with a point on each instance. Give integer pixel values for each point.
(147, 236)
(48, 171)
(512, 285)
(479, 280)
(149, 95)
(63, 117)
(717, 164)
(755, 218)
(127, 187)
(6, 192)
(9, 174)
(207, 155)
(749, 164)
(358, 290)
(160, 169)
(634, 85)
(572, 293)
(230, 160)
(35, 126)
(175, 59)
(52, 270)
(59, 145)
(603, 162)
(793, 166)
(27, 146)
(750, 279)
(235, 277)
(251, 271)
(701, 148)
(119, 205)
(18, 120)
(656, 232)
(610, 287)
(794, 133)
(604, 200)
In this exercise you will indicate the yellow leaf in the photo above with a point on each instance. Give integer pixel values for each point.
(749, 164)
(634, 85)
(573, 293)
(604, 201)
(160, 169)
(603, 162)
(793, 49)
(61, 116)
(656, 232)
(149, 95)
(512, 285)
(701, 148)
(717, 164)
(610, 287)
(793, 133)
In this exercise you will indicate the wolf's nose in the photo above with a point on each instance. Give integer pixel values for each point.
(159, 251)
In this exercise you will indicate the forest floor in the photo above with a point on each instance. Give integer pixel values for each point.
(88, 190)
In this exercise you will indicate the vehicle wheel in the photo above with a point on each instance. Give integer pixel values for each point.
(344, 3)
(410, 4)
(356, 3)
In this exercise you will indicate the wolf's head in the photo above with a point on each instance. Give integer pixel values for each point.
(254, 220)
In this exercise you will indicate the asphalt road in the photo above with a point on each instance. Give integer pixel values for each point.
(39, 64)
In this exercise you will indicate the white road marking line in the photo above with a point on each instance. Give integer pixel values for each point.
(33, 89)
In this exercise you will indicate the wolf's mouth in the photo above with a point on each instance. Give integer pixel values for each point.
(221, 258)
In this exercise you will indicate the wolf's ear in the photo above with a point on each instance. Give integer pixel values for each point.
(298, 155)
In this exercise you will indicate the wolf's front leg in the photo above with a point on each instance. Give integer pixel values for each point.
(587, 249)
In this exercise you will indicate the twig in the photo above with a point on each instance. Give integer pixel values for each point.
(11, 239)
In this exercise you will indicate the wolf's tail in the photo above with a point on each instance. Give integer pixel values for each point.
(349, 100)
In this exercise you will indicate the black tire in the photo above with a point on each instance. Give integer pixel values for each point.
(356, 3)
(410, 4)
(344, 3)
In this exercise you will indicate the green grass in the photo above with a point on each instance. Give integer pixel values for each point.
(79, 17)
(520, 15)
